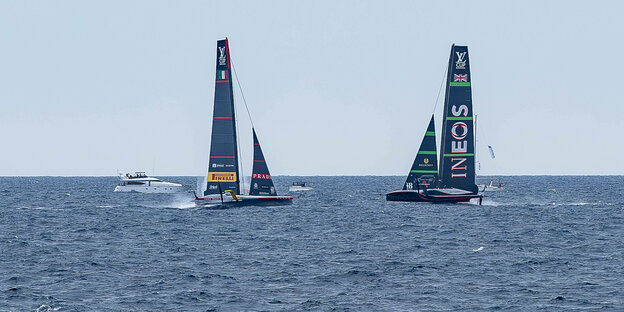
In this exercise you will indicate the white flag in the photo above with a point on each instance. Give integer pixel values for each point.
(491, 152)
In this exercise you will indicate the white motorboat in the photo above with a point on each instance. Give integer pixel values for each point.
(491, 186)
(139, 182)
(299, 186)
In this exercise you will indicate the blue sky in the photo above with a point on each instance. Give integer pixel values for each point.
(334, 87)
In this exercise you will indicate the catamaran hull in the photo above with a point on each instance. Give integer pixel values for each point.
(245, 200)
(416, 196)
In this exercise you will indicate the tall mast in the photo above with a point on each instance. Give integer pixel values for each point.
(478, 169)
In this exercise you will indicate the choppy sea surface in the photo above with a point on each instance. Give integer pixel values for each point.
(542, 243)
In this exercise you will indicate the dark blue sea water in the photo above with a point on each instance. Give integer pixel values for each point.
(542, 243)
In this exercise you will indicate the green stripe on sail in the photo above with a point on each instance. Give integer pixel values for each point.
(458, 118)
(460, 84)
(426, 152)
(459, 155)
(430, 133)
(423, 171)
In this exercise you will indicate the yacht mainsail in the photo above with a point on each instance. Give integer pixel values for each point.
(223, 165)
(457, 161)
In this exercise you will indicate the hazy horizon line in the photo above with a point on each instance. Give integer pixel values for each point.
(338, 175)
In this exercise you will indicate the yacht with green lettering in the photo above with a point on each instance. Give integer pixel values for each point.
(454, 180)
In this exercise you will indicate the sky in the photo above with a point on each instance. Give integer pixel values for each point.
(333, 87)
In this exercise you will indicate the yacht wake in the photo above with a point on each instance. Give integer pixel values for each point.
(182, 201)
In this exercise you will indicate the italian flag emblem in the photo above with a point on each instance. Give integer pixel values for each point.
(221, 74)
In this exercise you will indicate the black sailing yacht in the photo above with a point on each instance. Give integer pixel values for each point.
(223, 181)
(455, 180)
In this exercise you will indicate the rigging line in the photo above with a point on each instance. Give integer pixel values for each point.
(242, 94)
(440, 90)
(240, 88)
(476, 144)
(438, 98)
(240, 155)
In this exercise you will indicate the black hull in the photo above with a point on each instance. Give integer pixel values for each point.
(413, 196)
(244, 200)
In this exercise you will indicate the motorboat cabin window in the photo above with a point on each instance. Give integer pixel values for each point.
(136, 175)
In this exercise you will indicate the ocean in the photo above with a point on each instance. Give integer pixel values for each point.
(542, 243)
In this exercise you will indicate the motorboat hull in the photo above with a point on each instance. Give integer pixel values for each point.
(490, 188)
(299, 188)
(420, 196)
(149, 189)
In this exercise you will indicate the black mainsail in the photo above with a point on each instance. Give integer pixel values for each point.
(261, 182)
(457, 161)
(424, 171)
(223, 166)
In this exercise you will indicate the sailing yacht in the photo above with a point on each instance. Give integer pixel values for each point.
(454, 181)
(223, 184)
